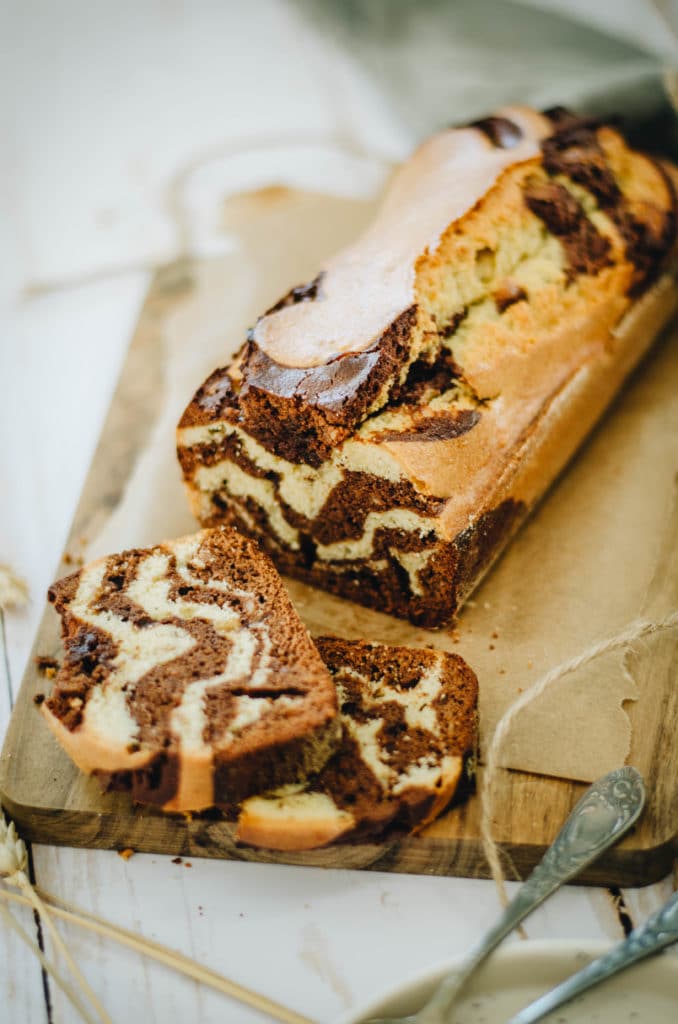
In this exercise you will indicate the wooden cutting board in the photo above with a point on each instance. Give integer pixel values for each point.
(52, 802)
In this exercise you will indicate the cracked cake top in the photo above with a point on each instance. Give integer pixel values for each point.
(487, 237)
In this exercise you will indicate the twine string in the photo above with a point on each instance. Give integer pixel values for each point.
(637, 630)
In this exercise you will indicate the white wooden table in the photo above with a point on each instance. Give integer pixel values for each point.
(114, 109)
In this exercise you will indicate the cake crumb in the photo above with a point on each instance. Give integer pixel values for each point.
(502, 671)
(188, 864)
(177, 860)
(46, 665)
(38, 699)
(495, 635)
(70, 559)
(126, 853)
(490, 647)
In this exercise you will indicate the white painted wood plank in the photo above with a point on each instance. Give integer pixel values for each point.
(641, 903)
(62, 357)
(63, 353)
(319, 941)
(22, 999)
(22, 996)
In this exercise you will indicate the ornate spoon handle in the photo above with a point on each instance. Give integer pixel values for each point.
(604, 813)
(659, 931)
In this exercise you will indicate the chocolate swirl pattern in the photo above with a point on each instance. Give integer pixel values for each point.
(408, 720)
(188, 678)
(384, 430)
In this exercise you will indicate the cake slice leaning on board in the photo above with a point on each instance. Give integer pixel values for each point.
(409, 733)
(386, 427)
(188, 678)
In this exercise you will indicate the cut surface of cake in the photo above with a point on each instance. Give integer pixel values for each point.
(385, 428)
(409, 723)
(188, 678)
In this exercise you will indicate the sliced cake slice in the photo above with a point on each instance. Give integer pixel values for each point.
(409, 722)
(188, 678)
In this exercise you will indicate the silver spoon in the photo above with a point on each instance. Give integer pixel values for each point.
(604, 813)
(658, 932)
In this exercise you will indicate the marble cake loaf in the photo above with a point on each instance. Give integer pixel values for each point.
(385, 428)
(188, 679)
(409, 722)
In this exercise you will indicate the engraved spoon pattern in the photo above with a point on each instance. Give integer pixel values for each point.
(604, 813)
(658, 932)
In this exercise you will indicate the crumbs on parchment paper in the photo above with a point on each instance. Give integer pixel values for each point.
(70, 559)
(46, 665)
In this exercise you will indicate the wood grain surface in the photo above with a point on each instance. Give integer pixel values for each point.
(53, 803)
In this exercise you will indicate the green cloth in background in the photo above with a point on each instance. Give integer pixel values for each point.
(438, 63)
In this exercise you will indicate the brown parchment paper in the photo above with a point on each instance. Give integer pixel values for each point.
(587, 563)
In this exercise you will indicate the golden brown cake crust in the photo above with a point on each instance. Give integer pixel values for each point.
(317, 362)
